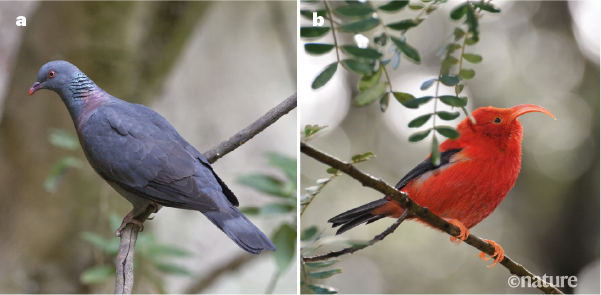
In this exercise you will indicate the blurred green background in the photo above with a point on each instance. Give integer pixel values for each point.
(544, 53)
(211, 69)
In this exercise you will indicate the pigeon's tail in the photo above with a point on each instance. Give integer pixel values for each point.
(238, 228)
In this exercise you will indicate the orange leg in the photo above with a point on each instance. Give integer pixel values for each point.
(499, 253)
(463, 234)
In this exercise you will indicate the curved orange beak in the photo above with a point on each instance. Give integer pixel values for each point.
(527, 108)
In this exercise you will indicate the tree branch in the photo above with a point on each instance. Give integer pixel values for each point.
(415, 210)
(125, 258)
(253, 129)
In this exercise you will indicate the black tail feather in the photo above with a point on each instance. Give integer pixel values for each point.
(357, 216)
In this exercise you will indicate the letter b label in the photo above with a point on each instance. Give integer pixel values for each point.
(317, 20)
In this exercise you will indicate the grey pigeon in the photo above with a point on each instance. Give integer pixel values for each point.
(143, 157)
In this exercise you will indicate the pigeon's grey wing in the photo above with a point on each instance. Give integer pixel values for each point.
(126, 147)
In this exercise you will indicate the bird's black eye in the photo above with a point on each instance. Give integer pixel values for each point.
(51, 74)
(497, 120)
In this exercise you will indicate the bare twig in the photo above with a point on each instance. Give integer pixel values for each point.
(351, 250)
(420, 212)
(125, 258)
(233, 264)
(253, 129)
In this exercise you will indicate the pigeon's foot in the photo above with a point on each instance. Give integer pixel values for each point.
(129, 218)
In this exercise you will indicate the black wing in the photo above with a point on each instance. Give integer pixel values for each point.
(424, 167)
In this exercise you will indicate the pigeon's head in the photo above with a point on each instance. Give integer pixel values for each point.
(54, 76)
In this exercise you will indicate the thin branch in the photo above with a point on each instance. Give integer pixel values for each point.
(233, 264)
(420, 212)
(351, 250)
(253, 129)
(125, 258)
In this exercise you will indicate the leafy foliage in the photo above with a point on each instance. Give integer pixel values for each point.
(156, 257)
(387, 47)
(284, 191)
(311, 234)
(62, 139)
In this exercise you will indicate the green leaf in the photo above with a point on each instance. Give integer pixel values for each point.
(264, 183)
(312, 129)
(284, 239)
(452, 47)
(168, 250)
(99, 241)
(362, 157)
(324, 274)
(62, 138)
(308, 14)
(409, 51)
(435, 152)
(359, 26)
(97, 274)
(275, 208)
(313, 32)
(449, 80)
(473, 58)
(487, 7)
(471, 41)
(453, 101)
(322, 289)
(447, 64)
(325, 76)
(309, 232)
(459, 88)
(320, 264)
(419, 121)
(403, 25)
(356, 66)
(459, 11)
(426, 85)
(355, 51)
(368, 81)
(467, 74)
(332, 170)
(58, 170)
(414, 104)
(169, 268)
(318, 48)
(416, 6)
(384, 101)
(250, 210)
(472, 22)
(358, 10)
(458, 33)
(284, 163)
(447, 131)
(393, 6)
(418, 136)
(402, 97)
(447, 115)
(370, 95)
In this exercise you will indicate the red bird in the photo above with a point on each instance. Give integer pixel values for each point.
(476, 172)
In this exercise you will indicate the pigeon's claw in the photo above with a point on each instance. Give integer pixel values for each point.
(463, 231)
(498, 255)
(129, 219)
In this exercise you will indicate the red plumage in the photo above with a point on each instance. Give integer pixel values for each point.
(477, 171)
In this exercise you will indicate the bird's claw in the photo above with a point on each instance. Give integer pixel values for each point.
(498, 255)
(128, 219)
(463, 231)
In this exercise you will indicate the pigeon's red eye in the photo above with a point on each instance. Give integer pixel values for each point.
(51, 74)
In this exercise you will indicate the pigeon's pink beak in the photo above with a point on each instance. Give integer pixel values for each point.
(35, 87)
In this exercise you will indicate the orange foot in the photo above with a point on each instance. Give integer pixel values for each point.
(463, 234)
(499, 253)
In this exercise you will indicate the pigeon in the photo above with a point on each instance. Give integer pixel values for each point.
(138, 153)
